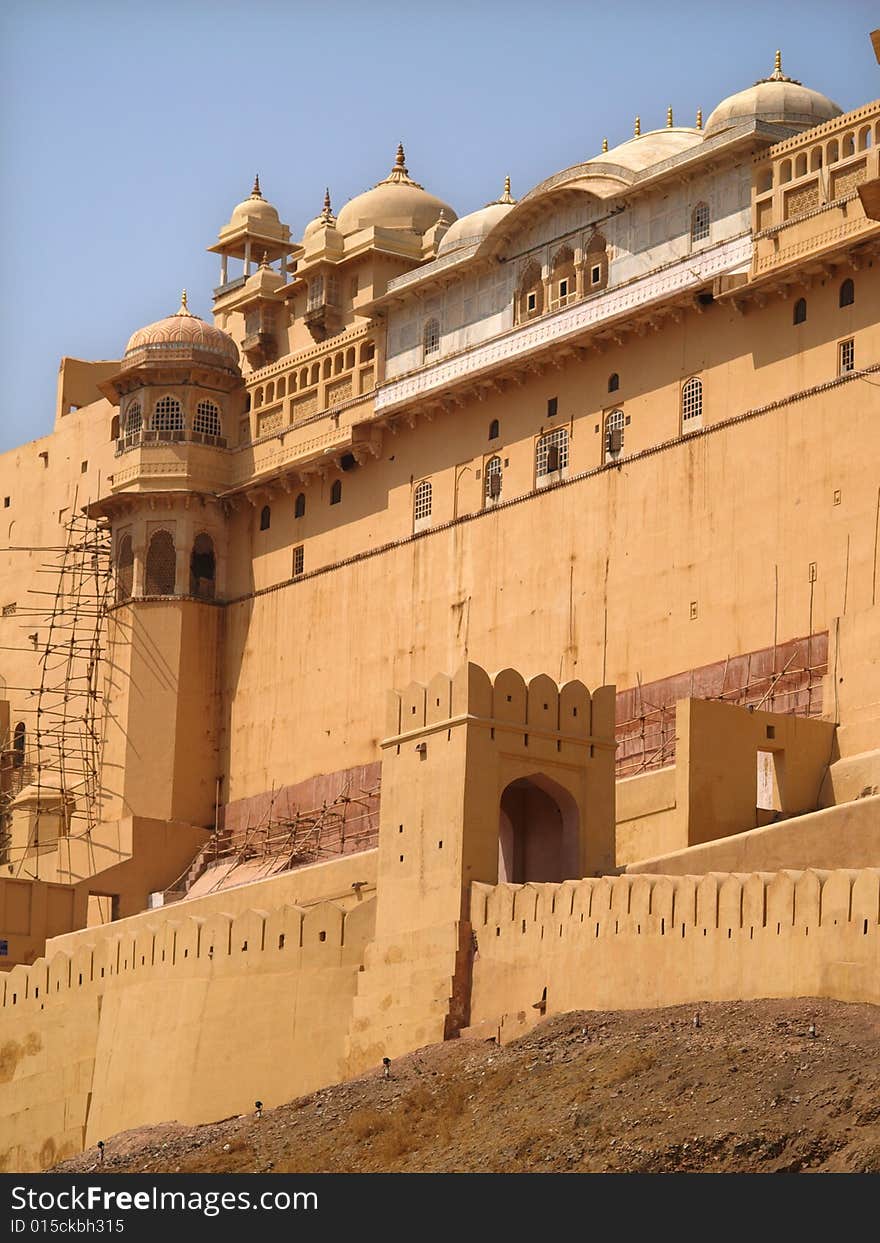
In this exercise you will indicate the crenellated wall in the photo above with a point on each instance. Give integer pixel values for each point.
(191, 1019)
(627, 942)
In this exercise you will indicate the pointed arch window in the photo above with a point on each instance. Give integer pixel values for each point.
(336, 492)
(494, 429)
(799, 316)
(551, 453)
(692, 404)
(167, 415)
(700, 222)
(614, 424)
(492, 482)
(124, 570)
(422, 505)
(265, 518)
(207, 420)
(299, 506)
(19, 744)
(202, 568)
(161, 575)
(847, 293)
(613, 382)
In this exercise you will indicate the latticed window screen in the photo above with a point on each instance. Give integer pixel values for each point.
(161, 564)
(552, 452)
(298, 560)
(207, 419)
(700, 222)
(133, 419)
(124, 570)
(692, 402)
(431, 336)
(614, 433)
(316, 292)
(492, 483)
(847, 356)
(167, 416)
(422, 501)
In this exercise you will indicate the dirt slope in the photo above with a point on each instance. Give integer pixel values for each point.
(748, 1089)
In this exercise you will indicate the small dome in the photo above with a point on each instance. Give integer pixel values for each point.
(646, 149)
(778, 100)
(183, 329)
(255, 208)
(477, 224)
(326, 220)
(398, 202)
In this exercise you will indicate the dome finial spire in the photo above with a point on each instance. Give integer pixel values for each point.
(256, 193)
(399, 174)
(669, 117)
(637, 128)
(506, 197)
(777, 64)
(604, 144)
(327, 216)
(699, 118)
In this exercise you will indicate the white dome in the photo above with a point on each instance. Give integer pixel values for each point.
(647, 149)
(778, 100)
(477, 224)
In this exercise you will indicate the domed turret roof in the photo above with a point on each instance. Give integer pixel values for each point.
(643, 150)
(777, 99)
(477, 224)
(326, 220)
(398, 202)
(255, 208)
(183, 330)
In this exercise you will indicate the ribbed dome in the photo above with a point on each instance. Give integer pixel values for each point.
(477, 224)
(255, 208)
(398, 202)
(182, 330)
(778, 100)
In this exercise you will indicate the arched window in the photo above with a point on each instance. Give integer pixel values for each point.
(299, 506)
(847, 293)
(19, 742)
(800, 311)
(551, 453)
(161, 564)
(431, 337)
(265, 518)
(133, 419)
(613, 382)
(494, 429)
(202, 568)
(691, 404)
(562, 276)
(207, 419)
(492, 486)
(614, 434)
(167, 415)
(700, 222)
(530, 293)
(336, 492)
(124, 570)
(114, 427)
(422, 505)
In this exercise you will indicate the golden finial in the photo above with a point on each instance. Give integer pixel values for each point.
(699, 118)
(604, 144)
(669, 117)
(777, 64)
(506, 197)
(638, 127)
(400, 162)
(256, 193)
(264, 262)
(327, 199)
(183, 305)
(327, 211)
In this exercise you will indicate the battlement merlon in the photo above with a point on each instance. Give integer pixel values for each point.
(540, 708)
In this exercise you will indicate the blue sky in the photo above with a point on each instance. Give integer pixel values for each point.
(129, 131)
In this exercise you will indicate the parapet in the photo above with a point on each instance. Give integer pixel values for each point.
(540, 705)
